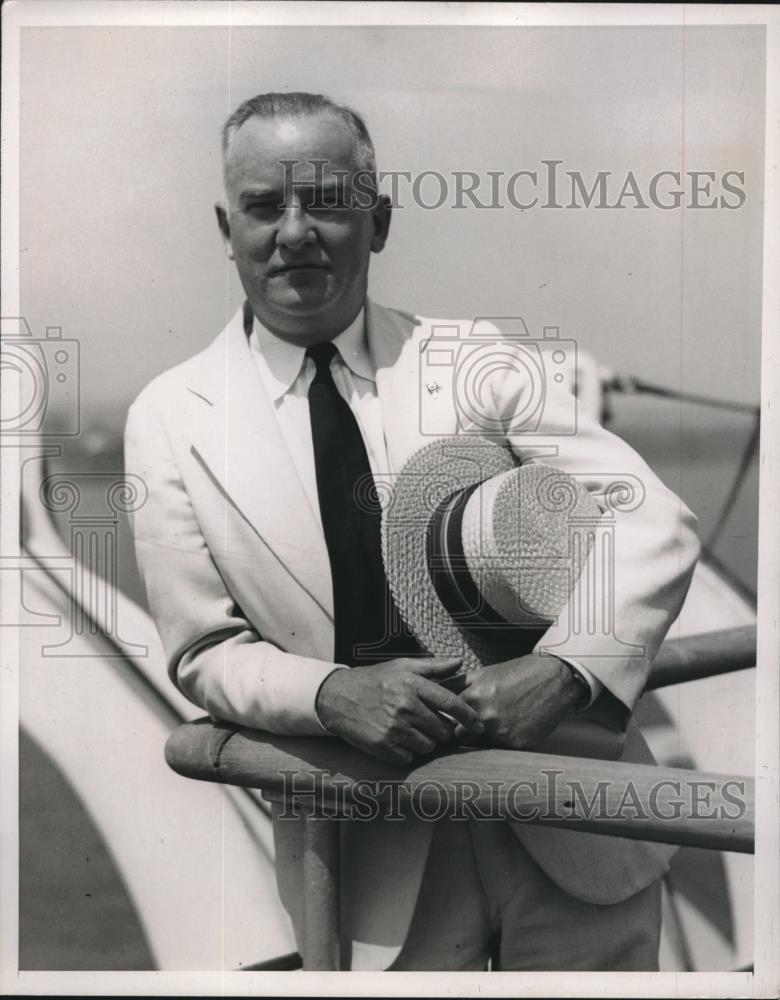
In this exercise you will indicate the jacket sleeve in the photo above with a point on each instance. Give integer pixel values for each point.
(214, 655)
(634, 588)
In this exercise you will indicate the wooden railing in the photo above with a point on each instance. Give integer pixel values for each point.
(698, 656)
(316, 776)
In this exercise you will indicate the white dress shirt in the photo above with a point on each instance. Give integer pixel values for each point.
(287, 374)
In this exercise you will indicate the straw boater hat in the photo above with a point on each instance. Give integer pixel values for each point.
(482, 553)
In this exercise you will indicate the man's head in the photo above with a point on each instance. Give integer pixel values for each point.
(301, 216)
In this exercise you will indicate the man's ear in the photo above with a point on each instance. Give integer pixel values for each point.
(224, 227)
(381, 213)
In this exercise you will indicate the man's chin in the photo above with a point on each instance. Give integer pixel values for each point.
(307, 299)
(303, 316)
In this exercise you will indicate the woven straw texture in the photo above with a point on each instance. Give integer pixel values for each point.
(431, 475)
(517, 535)
(526, 535)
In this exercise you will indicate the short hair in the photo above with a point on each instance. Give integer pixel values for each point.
(300, 105)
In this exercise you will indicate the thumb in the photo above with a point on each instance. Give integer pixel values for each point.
(438, 666)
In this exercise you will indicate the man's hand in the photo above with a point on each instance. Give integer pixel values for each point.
(390, 710)
(521, 701)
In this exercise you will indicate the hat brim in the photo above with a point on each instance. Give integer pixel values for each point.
(534, 562)
(432, 474)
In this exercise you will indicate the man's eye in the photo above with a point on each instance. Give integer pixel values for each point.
(321, 208)
(264, 209)
(327, 200)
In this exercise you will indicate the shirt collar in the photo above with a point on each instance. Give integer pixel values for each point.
(281, 361)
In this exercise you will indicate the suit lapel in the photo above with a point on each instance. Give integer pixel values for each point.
(240, 443)
(394, 347)
(412, 417)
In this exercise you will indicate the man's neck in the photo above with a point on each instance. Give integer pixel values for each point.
(304, 338)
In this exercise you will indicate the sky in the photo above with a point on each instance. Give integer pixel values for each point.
(120, 169)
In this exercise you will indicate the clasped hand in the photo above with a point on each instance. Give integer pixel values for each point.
(392, 710)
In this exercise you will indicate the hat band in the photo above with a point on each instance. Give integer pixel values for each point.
(452, 580)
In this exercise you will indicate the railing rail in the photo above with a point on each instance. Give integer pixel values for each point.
(694, 657)
(638, 801)
(317, 778)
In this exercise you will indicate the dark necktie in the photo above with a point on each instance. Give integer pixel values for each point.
(368, 627)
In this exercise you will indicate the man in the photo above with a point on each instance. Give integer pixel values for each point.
(265, 578)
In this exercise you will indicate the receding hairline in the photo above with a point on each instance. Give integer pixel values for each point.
(299, 105)
(355, 164)
(284, 116)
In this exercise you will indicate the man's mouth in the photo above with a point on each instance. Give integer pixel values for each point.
(300, 266)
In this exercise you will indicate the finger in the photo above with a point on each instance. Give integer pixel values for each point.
(455, 682)
(416, 741)
(437, 666)
(461, 735)
(440, 727)
(441, 700)
(431, 724)
(393, 754)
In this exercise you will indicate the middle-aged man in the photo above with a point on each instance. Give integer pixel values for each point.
(263, 578)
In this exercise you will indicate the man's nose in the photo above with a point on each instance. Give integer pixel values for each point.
(295, 228)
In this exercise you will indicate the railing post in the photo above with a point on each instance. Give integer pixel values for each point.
(321, 946)
(321, 857)
(586, 794)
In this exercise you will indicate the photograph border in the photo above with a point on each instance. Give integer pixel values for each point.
(765, 980)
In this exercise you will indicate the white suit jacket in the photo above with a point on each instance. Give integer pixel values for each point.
(237, 576)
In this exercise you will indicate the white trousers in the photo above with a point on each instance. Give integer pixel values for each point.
(483, 897)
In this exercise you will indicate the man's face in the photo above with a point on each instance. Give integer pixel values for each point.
(303, 265)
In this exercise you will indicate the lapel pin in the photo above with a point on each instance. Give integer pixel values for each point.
(433, 388)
